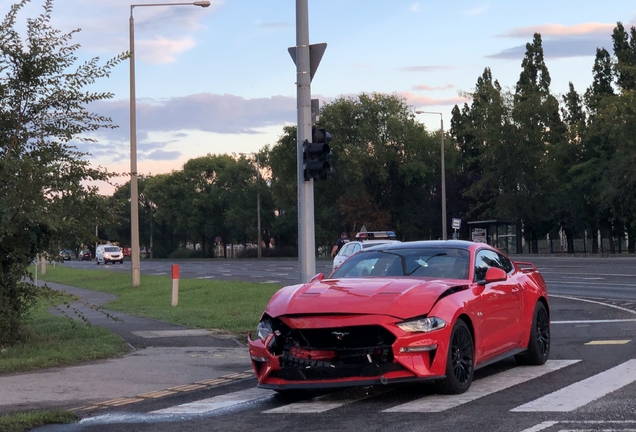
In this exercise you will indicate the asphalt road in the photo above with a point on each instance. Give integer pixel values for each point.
(588, 385)
(605, 278)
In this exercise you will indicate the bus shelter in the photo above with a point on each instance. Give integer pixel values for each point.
(505, 236)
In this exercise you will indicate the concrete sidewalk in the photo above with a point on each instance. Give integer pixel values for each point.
(165, 359)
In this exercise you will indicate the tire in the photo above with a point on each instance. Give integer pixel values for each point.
(121, 262)
(460, 361)
(539, 344)
(97, 262)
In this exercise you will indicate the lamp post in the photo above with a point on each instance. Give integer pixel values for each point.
(444, 231)
(134, 193)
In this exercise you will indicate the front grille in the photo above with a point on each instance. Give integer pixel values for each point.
(316, 354)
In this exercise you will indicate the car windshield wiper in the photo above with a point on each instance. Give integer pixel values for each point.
(425, 263)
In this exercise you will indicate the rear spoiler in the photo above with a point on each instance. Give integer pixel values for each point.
(526, 267)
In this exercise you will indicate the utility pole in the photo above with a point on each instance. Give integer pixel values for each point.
(306, 231)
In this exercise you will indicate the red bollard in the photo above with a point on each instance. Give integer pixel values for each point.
(175, 284)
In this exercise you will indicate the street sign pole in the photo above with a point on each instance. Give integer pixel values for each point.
(306, 233)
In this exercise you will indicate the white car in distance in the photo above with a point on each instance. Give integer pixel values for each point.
(355, 246)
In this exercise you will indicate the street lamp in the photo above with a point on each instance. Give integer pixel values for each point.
(444, 231)
(258, 203)
(134, 193)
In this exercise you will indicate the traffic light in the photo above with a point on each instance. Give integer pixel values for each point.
(316, 156)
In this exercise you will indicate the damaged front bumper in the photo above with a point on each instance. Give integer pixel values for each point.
(341, 351)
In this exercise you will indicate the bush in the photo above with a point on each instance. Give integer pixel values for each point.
(186, 253)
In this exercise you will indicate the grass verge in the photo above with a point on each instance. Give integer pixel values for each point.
(21, 422)
(53, 341)
(234, 307)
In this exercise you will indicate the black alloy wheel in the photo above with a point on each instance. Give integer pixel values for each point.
(539, 344)
(460, 363)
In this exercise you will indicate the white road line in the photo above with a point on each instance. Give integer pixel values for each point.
(481, 388)
(594, 302)
(328, 402)
(595, 321)
(217, 402)
(590, 284)
(540, 426)
(603, 423)
(583, 392)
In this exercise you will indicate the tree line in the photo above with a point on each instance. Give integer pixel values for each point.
(552, 165)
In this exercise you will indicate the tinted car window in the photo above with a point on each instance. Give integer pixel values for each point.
(488, 258)
(111, 249)
(421, 262)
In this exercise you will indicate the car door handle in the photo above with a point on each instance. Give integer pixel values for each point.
(516, 289)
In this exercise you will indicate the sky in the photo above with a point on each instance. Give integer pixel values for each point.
(220, 79)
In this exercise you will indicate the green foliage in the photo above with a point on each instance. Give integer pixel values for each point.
(549, 169)
(45, 202)
(234, 307)
(58, 340)
(26, 421)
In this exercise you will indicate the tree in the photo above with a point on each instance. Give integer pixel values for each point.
(538, 130)
(387, 169)
(625, 52)
(482, 132)
(43, 191)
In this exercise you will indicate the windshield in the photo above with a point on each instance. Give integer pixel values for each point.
(416, 262)
(111, 249)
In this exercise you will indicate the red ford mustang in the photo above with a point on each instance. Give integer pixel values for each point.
(406, 311)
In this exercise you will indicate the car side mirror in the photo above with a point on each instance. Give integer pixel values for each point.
(494, 274)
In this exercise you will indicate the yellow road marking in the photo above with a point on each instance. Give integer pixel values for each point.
(213, 382)
(156, 394)
(226, 379)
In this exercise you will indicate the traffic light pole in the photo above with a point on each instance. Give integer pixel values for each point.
(306, 233)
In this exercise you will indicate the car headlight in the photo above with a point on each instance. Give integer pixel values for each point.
(264, 329)
(424, 325)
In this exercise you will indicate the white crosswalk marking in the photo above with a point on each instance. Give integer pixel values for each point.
(328, 402)
(583, 392)
(481, 388)
(217, 402)
(564, 400)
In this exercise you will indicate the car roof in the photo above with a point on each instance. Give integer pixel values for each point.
(456, 244)
(371, 243)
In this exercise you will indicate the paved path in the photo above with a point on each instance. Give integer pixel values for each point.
(165, 359)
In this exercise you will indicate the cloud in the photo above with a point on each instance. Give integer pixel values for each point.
(419, 100)
(425, 68)
(559, 30)
(477, 10)
(105, 25)
(415, 7)
(162, 155)
(558, 48)
(424, 87)
(226, 114)
(162, 50)
(559, 41)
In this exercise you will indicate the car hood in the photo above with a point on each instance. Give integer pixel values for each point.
(398, 297)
